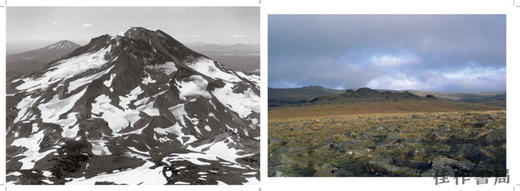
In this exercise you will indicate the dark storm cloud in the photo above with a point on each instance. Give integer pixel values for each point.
(424, 52)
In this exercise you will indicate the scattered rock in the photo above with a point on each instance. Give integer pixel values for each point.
(418, 152)
(415, 165)
(465, 165)
(379, 128)
(342, 173)
(453, 140)
(348, 133)
(441, 161)
(439, 171)
(482, 123)
(469, 151)
(495, 137)
(443, 129)
(394, 137)
(441, 166)
(482, 117)
(382, 168)
(326, 170)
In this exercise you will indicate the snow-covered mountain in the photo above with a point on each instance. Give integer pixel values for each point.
(136, 108)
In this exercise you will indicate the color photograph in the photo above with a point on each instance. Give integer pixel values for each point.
(386, 95)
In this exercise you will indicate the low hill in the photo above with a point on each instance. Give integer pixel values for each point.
(369, 95)
(317, 94)
(369, 101)
(284, 96)
(492, 98)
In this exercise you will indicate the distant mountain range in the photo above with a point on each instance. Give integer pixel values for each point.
(318, 94)
(240, 57)
(30, 61)
(241, 49)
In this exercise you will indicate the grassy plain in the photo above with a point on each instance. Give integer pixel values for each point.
(415, 138)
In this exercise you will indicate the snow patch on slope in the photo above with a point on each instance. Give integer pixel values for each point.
(124, 101)
(99, 148)
(242, 103)
(167, 67)
(32, 154)
(221, 149)
(115, 117)
(208, 68)
(108, 82)
(252, 78)
(195, 87)
(51, 111)
(65, 69)
(23, 106)
(143, 175)
(87, 79)
(148, 79)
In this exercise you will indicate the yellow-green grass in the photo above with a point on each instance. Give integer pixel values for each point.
(300, 138)
(371, 108)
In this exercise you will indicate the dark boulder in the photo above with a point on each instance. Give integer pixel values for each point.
(384, 168)
(468, 151)
(495, 137)
(326, 170)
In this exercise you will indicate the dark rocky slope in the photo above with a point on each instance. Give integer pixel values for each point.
(137, 108)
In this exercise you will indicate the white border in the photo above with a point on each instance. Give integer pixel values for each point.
(400, 7)
(2, 98)
(146, 3)
(320, 7)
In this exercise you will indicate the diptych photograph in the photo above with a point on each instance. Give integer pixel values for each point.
(257, 95)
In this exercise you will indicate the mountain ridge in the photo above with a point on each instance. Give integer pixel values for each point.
(290, 96)
(142, 97)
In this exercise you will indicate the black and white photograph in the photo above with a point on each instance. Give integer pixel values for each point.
(132, 95)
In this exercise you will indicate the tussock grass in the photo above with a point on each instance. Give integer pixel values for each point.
(346, 140)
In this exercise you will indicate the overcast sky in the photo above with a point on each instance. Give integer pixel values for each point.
(455, 53)
(39, 26)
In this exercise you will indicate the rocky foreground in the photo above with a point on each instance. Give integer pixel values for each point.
(412, 144)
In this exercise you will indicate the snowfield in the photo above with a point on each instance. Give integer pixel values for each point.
(196, 86)
(143, 175)
(65, 69)
(208, 68)
(167, 67)
(32, 154)
(241, 103)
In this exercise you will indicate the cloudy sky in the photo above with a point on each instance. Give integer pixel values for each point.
(453, 53)
(34, 27)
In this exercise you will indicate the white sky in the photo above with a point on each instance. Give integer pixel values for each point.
(38, 26)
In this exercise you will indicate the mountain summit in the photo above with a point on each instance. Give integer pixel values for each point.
(63, 44)
(136, 108)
